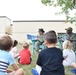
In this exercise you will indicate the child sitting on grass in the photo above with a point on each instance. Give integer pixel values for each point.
(6, 58)
(14, 49)
(25, 55)
(51, 59)
(68, 53)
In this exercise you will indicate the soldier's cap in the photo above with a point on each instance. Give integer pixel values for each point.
(41, 30)
(69, 28)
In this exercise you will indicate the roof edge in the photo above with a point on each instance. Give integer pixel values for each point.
(39, 21)
(5, 17)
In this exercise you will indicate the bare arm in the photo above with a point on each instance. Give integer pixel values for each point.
(15, 66)
(17, 55)
(73, 65)
(9, 71)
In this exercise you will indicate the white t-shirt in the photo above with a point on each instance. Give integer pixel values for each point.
(69, 56)
(13, 51)
(38, 68)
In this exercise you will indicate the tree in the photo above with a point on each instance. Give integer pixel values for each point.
(67, 6)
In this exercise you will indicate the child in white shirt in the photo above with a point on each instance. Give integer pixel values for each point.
(14, 49)
(68, 53)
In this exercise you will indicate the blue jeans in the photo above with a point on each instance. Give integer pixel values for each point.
(73, 70)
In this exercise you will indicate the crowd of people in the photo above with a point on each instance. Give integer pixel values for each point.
(44, 66)
(51, 60)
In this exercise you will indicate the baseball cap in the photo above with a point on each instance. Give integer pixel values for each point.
(69, 28)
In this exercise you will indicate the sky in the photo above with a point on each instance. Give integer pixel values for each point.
(28, 10)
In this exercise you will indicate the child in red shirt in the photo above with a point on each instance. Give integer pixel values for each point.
(25, 55)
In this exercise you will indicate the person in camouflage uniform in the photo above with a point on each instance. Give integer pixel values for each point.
(40, 39)
(70, 36)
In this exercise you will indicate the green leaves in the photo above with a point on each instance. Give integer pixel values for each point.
(66, 6)
(45, 1)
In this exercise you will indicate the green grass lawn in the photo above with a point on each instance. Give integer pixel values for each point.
(27, 68)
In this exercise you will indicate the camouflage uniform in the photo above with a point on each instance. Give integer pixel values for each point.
(39, 41)
(72, 38)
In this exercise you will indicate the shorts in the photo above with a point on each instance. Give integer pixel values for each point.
(28, 63)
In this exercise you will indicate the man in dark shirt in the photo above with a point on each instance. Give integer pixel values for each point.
(51, 59)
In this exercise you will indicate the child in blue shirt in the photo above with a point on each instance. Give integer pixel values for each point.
(6, 58)
(51, 59)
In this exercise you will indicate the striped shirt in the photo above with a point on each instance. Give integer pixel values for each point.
(5, 60)
(3, 65)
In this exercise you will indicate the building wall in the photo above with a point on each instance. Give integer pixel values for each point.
(2, 25)
(22, 28)
(4, 22)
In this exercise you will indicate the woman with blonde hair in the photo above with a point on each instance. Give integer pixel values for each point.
(68, 53)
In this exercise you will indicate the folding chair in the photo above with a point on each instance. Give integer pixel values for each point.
(33, 39)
